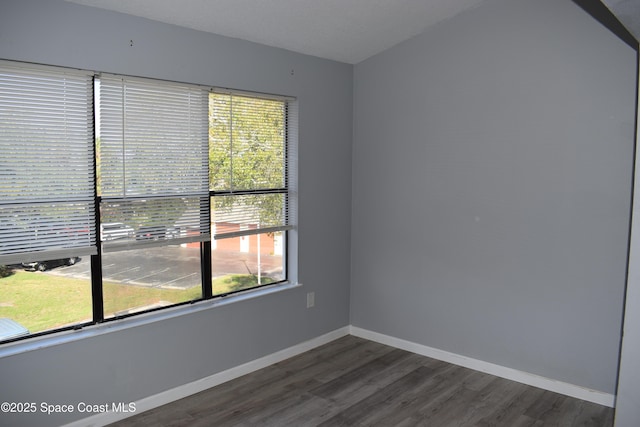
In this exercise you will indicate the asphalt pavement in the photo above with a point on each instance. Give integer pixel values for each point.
(169, 267)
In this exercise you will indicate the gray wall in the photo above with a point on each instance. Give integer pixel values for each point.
(142, 361)
(492, 170)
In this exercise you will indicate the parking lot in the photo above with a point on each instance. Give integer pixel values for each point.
(169, 267)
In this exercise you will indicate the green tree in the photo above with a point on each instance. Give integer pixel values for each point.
(247, 151)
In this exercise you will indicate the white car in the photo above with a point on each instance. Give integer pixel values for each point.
(115, 230)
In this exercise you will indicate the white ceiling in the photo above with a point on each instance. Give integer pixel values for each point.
(343, 30)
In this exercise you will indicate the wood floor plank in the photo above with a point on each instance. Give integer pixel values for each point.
(546, 408)
(247, 404)
(454, 401)
(457, 387)
(363, 373)
(586, 414)
(525, 421)
(509, 412)
(375, 406)
(341, 358)
(452, 409)
(355, 382)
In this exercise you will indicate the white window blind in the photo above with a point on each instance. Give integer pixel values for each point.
(47, 203)
(153, 161)
(252, 140)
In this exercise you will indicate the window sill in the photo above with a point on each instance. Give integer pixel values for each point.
(45, 341)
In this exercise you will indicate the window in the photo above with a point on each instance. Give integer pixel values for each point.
(153, 152)
(167, 194)
(47, 206)
(250, 174)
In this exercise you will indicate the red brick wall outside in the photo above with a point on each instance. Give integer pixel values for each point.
(267, 241)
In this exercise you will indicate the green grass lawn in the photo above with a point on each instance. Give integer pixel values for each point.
(237, 282)
(41, 301)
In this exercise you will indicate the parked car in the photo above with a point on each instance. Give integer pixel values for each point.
(48, 265)
(175, 232)
(115, 230)
(151, 232)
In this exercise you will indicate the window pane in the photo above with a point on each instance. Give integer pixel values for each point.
(153, 138)
(235, 213)
(246, 143)
(44, 295)
(144, 279)
(46, 163)
(172, 220)
(237, 264)
(60, 229)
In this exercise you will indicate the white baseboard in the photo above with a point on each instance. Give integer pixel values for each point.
(197, 386)
(567, 389)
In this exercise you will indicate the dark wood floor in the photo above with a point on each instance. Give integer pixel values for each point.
(355, 382)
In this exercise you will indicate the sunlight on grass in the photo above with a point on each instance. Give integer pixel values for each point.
(237, 282)
(40, 301)
(121, 298)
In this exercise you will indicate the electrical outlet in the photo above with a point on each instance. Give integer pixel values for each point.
(311, 299)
